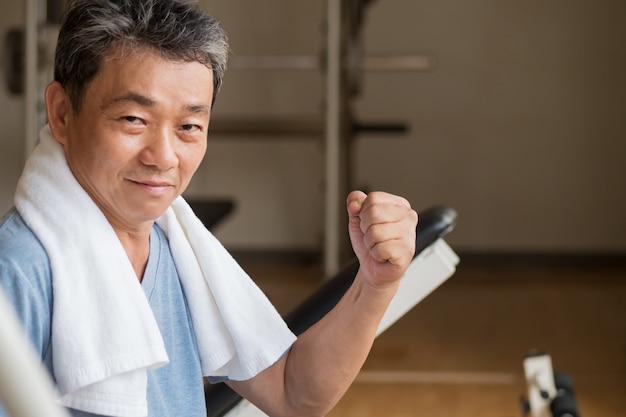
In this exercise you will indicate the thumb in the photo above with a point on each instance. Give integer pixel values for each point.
(354, 202)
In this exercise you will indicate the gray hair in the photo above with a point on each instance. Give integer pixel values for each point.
(177, 29)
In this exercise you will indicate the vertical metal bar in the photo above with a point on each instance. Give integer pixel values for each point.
(30, 77)
(333, 139)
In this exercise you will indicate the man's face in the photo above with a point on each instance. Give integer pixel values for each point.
(140, 134)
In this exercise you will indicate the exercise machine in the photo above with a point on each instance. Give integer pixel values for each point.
(550, 393)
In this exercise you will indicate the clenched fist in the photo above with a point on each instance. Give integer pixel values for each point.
(382, 232)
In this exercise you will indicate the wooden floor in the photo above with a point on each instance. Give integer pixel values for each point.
(459, 353)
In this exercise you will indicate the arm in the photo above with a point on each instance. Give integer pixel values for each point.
(324, 361)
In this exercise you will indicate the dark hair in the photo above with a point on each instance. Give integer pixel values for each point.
(176, 29)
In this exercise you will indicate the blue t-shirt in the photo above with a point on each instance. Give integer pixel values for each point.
(175, 389)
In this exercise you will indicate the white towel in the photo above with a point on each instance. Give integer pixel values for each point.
(104, 335)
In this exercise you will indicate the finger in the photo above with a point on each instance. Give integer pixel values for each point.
(402, 232)
(383, 208)
(385, 214)
(395, 252)
(375, 218)
(381, 197)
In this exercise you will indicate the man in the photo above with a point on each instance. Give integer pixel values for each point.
(127, 299)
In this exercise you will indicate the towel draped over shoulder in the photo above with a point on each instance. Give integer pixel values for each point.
(104, 335)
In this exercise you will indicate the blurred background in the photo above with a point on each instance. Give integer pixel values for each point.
(516, 119)
(518, 123)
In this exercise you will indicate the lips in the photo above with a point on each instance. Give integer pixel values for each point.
(153, 187)
(154, 183)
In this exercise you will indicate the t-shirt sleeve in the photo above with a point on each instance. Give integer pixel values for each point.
(30, 304)
(25, 278)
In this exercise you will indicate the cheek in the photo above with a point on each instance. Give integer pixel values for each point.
(83, 159)
(106, 160)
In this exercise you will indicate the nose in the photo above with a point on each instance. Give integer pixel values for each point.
(160, 150)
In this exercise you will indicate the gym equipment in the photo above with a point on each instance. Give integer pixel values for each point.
(211, 211)
(22, 379)
(345, 20)
(550, 393)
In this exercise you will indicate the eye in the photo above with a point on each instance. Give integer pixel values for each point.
(191, 128)
(132, 119)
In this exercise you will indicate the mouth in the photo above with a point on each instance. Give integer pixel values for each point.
(154, 187)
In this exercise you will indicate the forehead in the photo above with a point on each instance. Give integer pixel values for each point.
(152, 74)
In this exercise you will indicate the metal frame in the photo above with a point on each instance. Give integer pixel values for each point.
(333, 169)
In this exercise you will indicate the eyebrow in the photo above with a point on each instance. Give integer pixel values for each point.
(132, 97)
(148, 102)
(198, 108)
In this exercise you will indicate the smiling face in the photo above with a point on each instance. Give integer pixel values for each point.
(140, 133)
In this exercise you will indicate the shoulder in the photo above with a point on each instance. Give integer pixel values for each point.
(20, 249)
(16, 236)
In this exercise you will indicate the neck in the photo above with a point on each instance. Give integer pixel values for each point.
(137, 247)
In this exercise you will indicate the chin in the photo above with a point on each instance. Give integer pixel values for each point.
(154, 212)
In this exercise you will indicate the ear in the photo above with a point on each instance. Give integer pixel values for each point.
(58, 109)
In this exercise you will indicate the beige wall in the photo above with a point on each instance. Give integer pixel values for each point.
(520, 125)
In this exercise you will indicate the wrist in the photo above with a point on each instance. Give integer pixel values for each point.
(372, 290)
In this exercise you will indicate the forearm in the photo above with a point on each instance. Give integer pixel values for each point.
(326, 358)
